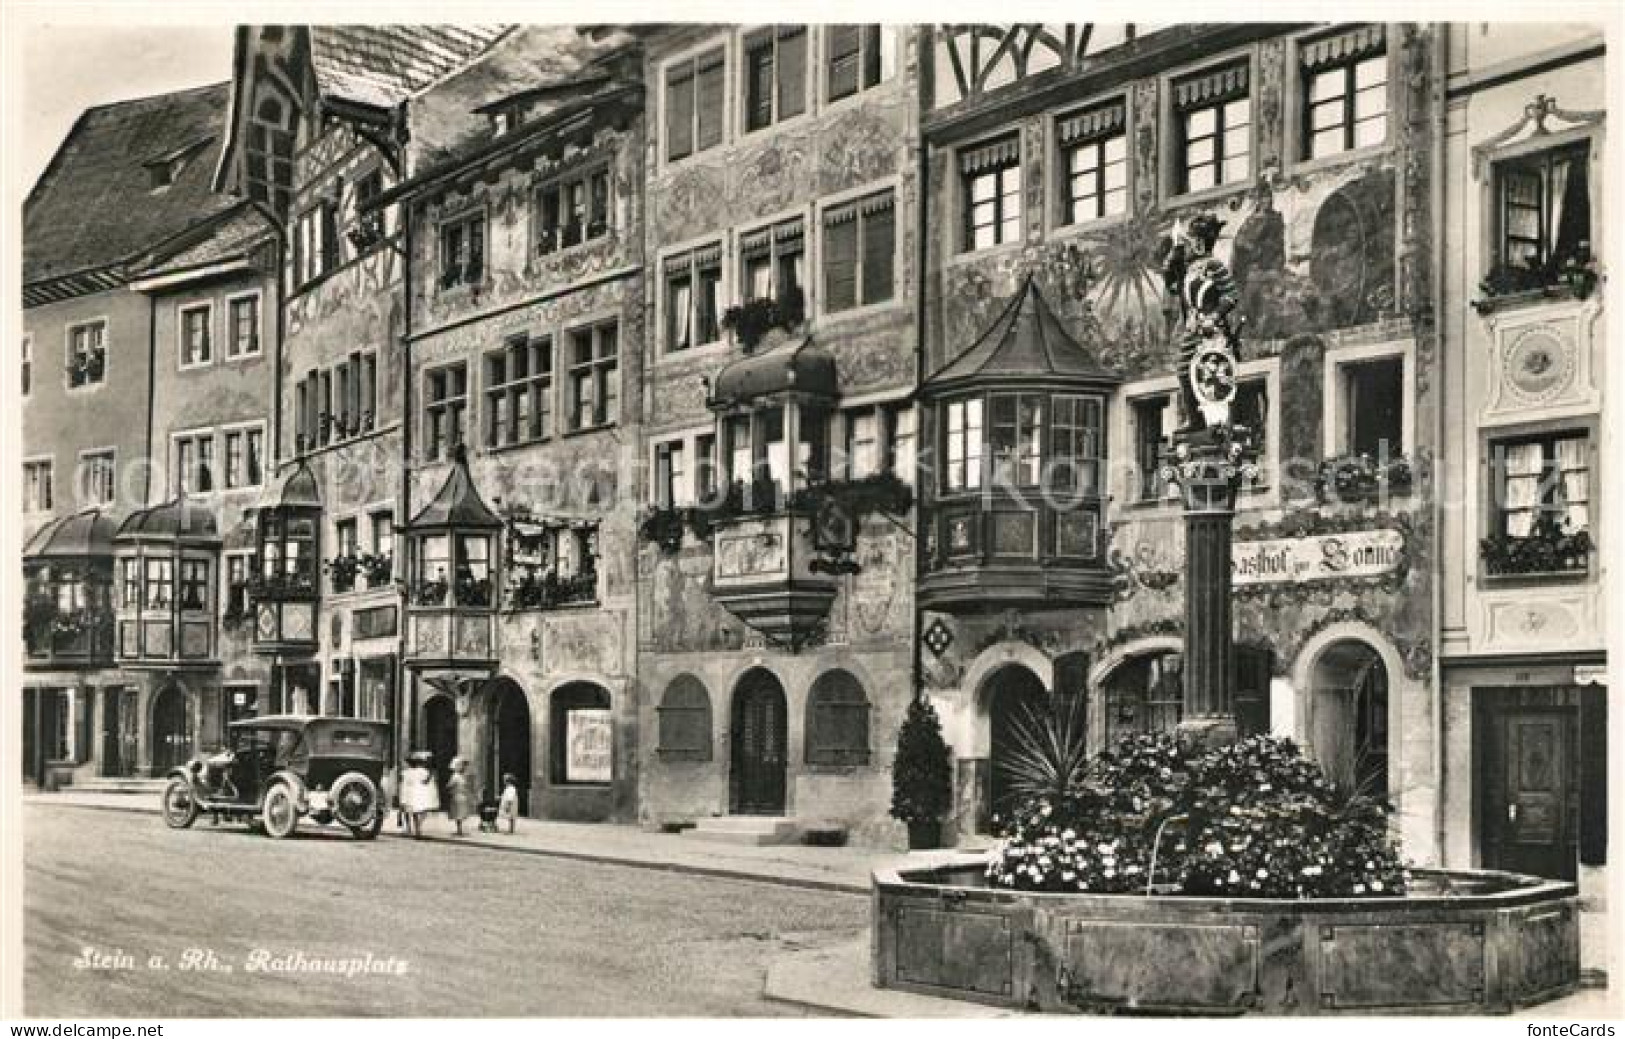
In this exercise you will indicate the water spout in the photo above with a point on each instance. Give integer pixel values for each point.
(1156, 844)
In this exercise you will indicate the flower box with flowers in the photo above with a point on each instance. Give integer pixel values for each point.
(1552, 548)
(341, 570)
(753, 319)
(377, 567)
(1511, 284)
(542, 590)
(1361, 477)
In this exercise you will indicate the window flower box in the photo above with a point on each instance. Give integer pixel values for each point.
(341, 570)
(752, 320)
(1553, 548)
(1362, 477)
(543, 590)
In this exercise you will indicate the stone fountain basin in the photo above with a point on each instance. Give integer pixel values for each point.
(1464, 941)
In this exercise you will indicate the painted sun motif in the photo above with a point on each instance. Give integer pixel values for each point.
(1128, 293)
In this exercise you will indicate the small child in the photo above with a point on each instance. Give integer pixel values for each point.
(508, 806)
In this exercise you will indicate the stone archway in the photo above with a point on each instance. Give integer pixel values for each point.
(758, 744)
(170, 729)
(1349, 702)
(1011, 697)
(508, 751)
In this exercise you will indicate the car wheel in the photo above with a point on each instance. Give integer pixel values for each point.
(280, 813)
(180, 807)
(355, 802)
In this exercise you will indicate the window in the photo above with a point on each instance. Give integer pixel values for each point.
(235, 595)
(1094, 156)
(693, 294)
(1214, 119)
(87, 354)
(302, 433)
(444, 400)
(194, 584)
(519, 390)
(160, 583)
(837, 721)
(97, 477)
(962, 449)
(705, 466)
(37, 486)
(775, 75)
(315, 242)
(771, 261)
(194, 463)
(197, 347)
(462, 251)
(990, 176)
(1545, 210)
(1151, 415)
(324, 421)
(857, 57)
(874, 439)
(347, 536)
(28, 364)
(1014, 434)
(572, 211)
(594, 387)
(1076, 444)
(383, 533)
(245, 453)
(1251, 409)
(1542, 483)
(368, 227)
(1345, 91)
(694, 104)
(1373, 407)
(582, 736)
(859, 256)
(685, 721)
(243, 327)
(671, 486)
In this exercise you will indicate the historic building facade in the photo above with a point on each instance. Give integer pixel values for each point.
(1059, 158)
(1523, 693)
(145, 328)
(773, 649)
(525, 332)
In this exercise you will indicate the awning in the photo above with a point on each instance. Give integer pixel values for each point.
(178, 522)
(1351, 44)
(83, 535)
(798, 367)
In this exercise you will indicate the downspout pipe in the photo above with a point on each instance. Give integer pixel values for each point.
(1436, 98)
(403, 724)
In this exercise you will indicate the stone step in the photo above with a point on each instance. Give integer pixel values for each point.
(118, 785)
(745, 829)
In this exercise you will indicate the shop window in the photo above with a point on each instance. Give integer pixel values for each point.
(771, 261)
(594, 376)
(1145, 694)
(197, 335)
(572, 210)
(1213, 124)
(693, 292)
(243, 327)
(1345, 91)
(685, 721)
(856, 58)
(775, 75)
(98, 477)
(837, 727)
(581, 736)
(37, 489)
(694, 104)
(462, 251)
(990, 188)
(1544, 216)
(860, 253)
(1094, 160)
(1373, 407)
(445, 399)
(519, 392)
(87, 354)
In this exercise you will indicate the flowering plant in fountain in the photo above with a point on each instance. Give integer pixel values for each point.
(1254, 819)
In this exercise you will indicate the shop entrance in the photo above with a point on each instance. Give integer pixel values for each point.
(119, 739)
(171, 740)
(756, 776)
(510, 741)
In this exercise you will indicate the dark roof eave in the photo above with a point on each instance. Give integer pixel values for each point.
(1103, 380)
(505, 146)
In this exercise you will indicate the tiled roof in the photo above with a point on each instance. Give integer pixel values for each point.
(96, 204)
(1025, 343)
(383, 65)
(235, 237)
(81, 535)
(457, 504)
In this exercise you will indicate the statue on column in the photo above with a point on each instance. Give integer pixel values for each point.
(1208, 327)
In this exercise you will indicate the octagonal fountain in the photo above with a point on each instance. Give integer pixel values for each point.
(1460, 942)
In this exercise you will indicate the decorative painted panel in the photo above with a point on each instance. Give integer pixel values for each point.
(158, 639)
(753, 550)
(1541, 365)
(586, 643)
(1537, 619)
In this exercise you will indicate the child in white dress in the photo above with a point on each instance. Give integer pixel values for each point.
(508, 806)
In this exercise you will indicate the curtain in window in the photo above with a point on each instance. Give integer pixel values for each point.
(1574, 491)
(1524, 467)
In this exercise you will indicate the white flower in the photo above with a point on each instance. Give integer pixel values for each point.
(1214, 848)
(1262, 873)
(1068, 835)
(1359, 889)
(1233, 878)
(1376, 885)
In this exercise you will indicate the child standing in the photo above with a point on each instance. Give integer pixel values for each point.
(508, 806)
(459, 795)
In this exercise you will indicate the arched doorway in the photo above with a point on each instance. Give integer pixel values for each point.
(510, 741)
(757, 763)
(1014, 697)
(171, 738)
(440, 734)
(1349, 720)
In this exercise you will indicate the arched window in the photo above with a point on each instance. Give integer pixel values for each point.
(1350, 729)
(837, 730)
(685, 721)
(1145, 694)
(582, 736)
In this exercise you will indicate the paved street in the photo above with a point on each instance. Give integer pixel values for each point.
(482, 933)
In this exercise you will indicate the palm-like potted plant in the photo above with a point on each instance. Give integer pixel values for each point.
(921, 775)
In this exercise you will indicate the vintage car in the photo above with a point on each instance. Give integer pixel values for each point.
(276, 769)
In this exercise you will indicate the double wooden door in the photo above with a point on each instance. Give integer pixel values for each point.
(757, 774)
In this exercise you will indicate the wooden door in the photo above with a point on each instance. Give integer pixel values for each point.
(1530, 778)
(758, 747)
(171, 740)
(112, 733)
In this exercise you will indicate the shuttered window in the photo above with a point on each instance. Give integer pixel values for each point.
(859, 256)
(694, 99)
(837, 721)
(685, 721)
(775, 75)
(856, 57)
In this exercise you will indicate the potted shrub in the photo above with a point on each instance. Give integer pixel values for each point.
(921, 776)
